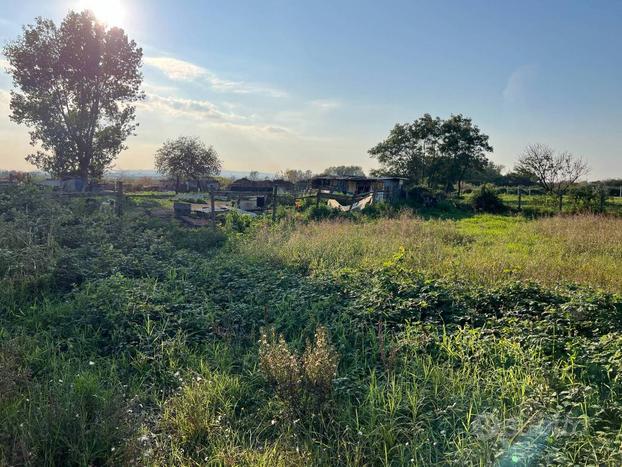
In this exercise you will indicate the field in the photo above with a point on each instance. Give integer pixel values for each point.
(380, 340)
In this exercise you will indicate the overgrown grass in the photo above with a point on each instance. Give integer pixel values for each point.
(484, 249)
(396, 341)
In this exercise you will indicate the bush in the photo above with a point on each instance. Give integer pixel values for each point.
(321, 212)
(423, 196)
(486, 199)
(310, 376)
(319, 364)
(589, 198)
(279, 365)
(237, 222)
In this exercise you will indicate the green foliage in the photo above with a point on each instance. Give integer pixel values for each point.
(238, 222)
(434, 151)
(77, 84)
(486, 199)
(589, 198)
(137, 345)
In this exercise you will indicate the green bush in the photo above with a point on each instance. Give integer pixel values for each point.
(486, 199)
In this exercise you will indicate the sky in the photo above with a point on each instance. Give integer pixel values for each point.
(278, 84)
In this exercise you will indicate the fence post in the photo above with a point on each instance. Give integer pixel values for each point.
(119, 199)
(274, 201)
(212, 208)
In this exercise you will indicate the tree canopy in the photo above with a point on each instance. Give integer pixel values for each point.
(555, 172)
(187, 158)
(296, 175)
(344, 171)
(75, 87)
(433, 151)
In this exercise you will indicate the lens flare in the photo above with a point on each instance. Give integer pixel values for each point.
(110, 12)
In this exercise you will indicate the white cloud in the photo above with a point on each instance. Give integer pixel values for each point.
(181, 70)
(518, 83)
(208, 113)
(192, 108)
(326, 104)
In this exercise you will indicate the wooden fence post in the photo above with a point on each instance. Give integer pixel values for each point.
(274, 202)
(119, 199)
(212, 208)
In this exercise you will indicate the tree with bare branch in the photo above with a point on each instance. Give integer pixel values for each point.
(555, 172)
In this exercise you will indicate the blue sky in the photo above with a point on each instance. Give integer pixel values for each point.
(298, 84)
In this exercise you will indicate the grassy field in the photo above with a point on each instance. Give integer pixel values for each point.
(388, 341)
(484, 249)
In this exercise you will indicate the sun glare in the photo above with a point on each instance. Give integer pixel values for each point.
(110, 12)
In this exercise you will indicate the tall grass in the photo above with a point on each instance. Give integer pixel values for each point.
(485, 249)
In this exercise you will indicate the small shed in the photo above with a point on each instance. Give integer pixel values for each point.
(387, 187)
(257, 186)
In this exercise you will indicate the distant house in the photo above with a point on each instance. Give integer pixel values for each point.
(385, 187)
(255, 186)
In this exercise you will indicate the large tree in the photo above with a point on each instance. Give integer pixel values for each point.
(75, 87)
(555, 172)
(433, 151)
(464, 146)
(187, 158)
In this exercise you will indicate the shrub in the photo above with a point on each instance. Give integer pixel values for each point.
(486, 199)
(279, 365)
(589, 198)
(292, 376)
(423, 196)
(319, 364)
(237, 222)
(323, 211)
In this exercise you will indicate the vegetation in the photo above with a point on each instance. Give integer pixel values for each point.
(555, 173)
(76, 86)
(187, 158)
(486, 199)
(434, 151)
(386, 341)
(344, 171)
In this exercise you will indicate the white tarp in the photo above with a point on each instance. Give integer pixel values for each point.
(362, 204)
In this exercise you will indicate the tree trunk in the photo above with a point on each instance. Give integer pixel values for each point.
(177, 185)
(84, 176)
(561, 202)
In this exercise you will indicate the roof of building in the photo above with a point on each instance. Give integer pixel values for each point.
(355, 178)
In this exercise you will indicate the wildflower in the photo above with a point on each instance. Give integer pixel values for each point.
(112, 449)
(360, 433)
(91, 362)
(273, 422)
